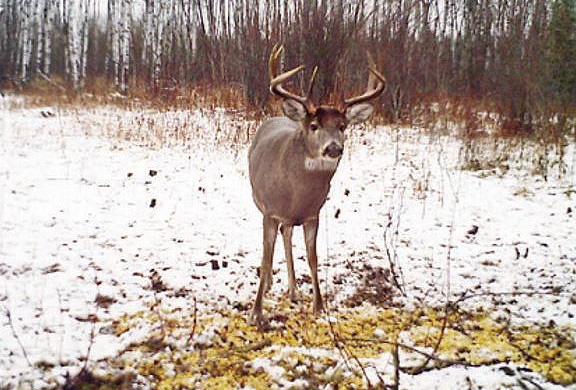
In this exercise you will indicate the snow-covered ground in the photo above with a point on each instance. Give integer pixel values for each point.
(97, 203)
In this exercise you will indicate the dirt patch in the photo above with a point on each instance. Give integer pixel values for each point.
(375, 287)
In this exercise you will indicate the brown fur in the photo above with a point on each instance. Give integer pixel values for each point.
(287, 193)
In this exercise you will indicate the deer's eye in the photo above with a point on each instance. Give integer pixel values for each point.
(342, 127)
(313, 126)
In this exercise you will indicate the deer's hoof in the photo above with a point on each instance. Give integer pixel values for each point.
(258, 320)
(292, 295)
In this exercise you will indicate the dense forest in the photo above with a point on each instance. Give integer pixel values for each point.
(517, 55)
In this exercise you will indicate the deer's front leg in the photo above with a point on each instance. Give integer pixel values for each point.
(310, 234)
(270, 229)
(287, 236)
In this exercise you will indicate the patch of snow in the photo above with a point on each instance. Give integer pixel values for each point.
(89, 207)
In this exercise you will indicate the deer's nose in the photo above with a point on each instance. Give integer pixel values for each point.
(333, 150)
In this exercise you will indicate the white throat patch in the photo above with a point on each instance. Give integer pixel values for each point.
(320, 164)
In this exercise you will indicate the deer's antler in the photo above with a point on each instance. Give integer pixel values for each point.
(371, 91)
(276, 80)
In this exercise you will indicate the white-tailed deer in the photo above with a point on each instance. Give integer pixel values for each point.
(291, 162)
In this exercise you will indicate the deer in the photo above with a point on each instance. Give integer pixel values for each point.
(291, 162)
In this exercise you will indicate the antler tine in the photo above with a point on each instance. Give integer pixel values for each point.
(273, 60)
(312, 81)
(277, 80)
(371, 78)
(370, 93)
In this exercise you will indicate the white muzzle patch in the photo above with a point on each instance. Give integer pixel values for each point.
(321, 164)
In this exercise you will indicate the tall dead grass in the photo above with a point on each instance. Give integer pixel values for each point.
(165, 116)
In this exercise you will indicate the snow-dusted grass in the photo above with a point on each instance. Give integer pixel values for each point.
(108, 214)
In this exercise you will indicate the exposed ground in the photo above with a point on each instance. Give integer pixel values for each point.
(129, 246)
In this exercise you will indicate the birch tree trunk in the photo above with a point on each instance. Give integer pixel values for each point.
(41, 37)
(119, 29)
(77, 28)
(125, 45)
(25, 38)
(154, 30)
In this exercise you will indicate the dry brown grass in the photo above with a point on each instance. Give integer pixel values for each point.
(491, 140)
(472, 116)
(99, 92)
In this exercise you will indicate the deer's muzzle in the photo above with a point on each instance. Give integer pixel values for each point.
(333, 150)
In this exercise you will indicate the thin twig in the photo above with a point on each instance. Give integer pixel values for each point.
(393, 344)
(92, 329)
(249, 348)
(336, 342)
(61, 312)
(392, 257)
(448, 283)
(92, 337)
(15, 334)
(195, 320)
(465, 297)
(345, 354)
(396, 357)
(440, 362)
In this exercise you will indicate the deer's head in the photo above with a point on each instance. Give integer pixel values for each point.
(323, 126)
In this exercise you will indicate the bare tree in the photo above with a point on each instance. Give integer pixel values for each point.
(500, 50)
(119, 29)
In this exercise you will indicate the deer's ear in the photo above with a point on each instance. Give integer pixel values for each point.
(294, 110)
(358, 113)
